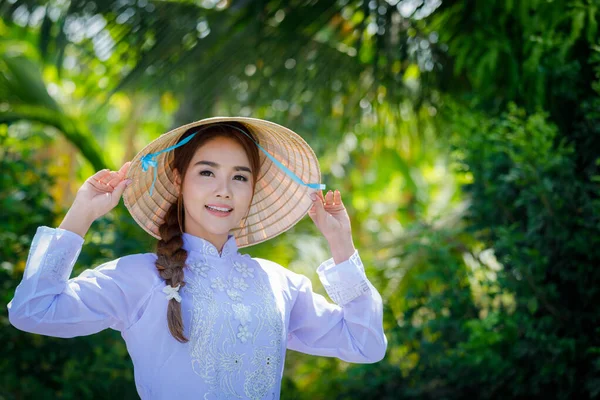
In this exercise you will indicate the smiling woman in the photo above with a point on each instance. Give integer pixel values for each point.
(216, 185)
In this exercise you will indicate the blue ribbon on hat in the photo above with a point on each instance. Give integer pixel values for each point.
(149, 160)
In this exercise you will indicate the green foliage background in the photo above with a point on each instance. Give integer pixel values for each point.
(464, 136)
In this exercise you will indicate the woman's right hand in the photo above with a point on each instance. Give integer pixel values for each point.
(101, 192)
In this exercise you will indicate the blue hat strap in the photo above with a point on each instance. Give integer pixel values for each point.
(285, 169)
(149, 160)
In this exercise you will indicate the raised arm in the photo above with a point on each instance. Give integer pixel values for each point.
(47, 302)
(351, 329)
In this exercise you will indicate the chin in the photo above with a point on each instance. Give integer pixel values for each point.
(212, 227)
(218, 232)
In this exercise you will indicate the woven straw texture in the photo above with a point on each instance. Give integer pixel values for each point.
(278, 203)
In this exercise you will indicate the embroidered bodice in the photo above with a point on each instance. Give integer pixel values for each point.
(236, 329)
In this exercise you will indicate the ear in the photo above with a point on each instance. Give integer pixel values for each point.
(177, 180)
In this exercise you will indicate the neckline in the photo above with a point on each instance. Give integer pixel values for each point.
(203, 246)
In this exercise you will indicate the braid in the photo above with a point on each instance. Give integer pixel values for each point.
(170, 263)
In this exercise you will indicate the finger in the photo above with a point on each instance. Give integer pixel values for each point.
(318, 210)
(100, 174)
(100, 188)
(312, 212)
(337, 198)
(103, 183)
(119, 189)
(106, 177)
(329, 197)
(112, 178)
(320, 197)
(124, 168)
(115, 180)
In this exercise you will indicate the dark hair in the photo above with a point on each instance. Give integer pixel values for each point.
(171, 255)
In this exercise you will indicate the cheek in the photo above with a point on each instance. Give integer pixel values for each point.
(198, 187)
(245, 196)
(195, 194)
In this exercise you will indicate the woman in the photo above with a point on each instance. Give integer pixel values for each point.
(205, 190)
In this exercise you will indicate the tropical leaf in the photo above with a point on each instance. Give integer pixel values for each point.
(28, 100)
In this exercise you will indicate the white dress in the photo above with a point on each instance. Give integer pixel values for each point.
(240, 315)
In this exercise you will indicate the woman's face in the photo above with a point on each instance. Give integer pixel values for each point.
(217, 189)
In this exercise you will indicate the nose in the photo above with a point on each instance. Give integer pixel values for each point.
(223, 190)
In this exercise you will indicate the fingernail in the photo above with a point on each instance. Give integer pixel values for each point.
(128, 182)
(313, 196)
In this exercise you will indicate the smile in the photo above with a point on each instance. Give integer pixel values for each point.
(219, 210)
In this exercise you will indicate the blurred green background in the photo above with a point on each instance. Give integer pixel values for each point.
(463, 135)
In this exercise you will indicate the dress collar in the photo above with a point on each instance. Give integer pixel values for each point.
(202, 246)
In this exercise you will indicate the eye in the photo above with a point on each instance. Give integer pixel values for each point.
(237, 177)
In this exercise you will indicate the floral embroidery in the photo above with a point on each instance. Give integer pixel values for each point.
(243, 269)
(206, 248)
(200, 268)
(217, 283)
(57, 252)
(234, 295)
(222, 320)
(210, 249)
(343, 293)
(267, 359)
(58, 263)
(243, 333)
(241, 312)
(344, 285)
(204, 317)
(239, 283)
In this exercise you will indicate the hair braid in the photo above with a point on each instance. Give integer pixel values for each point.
(170, 263)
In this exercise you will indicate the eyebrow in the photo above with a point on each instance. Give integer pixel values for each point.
(215, 165)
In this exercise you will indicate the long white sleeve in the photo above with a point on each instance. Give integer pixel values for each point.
(47, 302)
(352, 329)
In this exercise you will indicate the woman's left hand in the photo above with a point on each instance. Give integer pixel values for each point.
(331, 218)
(329, 214)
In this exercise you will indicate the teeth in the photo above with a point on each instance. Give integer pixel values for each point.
(219, 209)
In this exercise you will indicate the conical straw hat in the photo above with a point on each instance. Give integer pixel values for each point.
(279, 201)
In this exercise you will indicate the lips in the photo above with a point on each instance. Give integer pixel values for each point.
(218, 214)
(219, 207)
